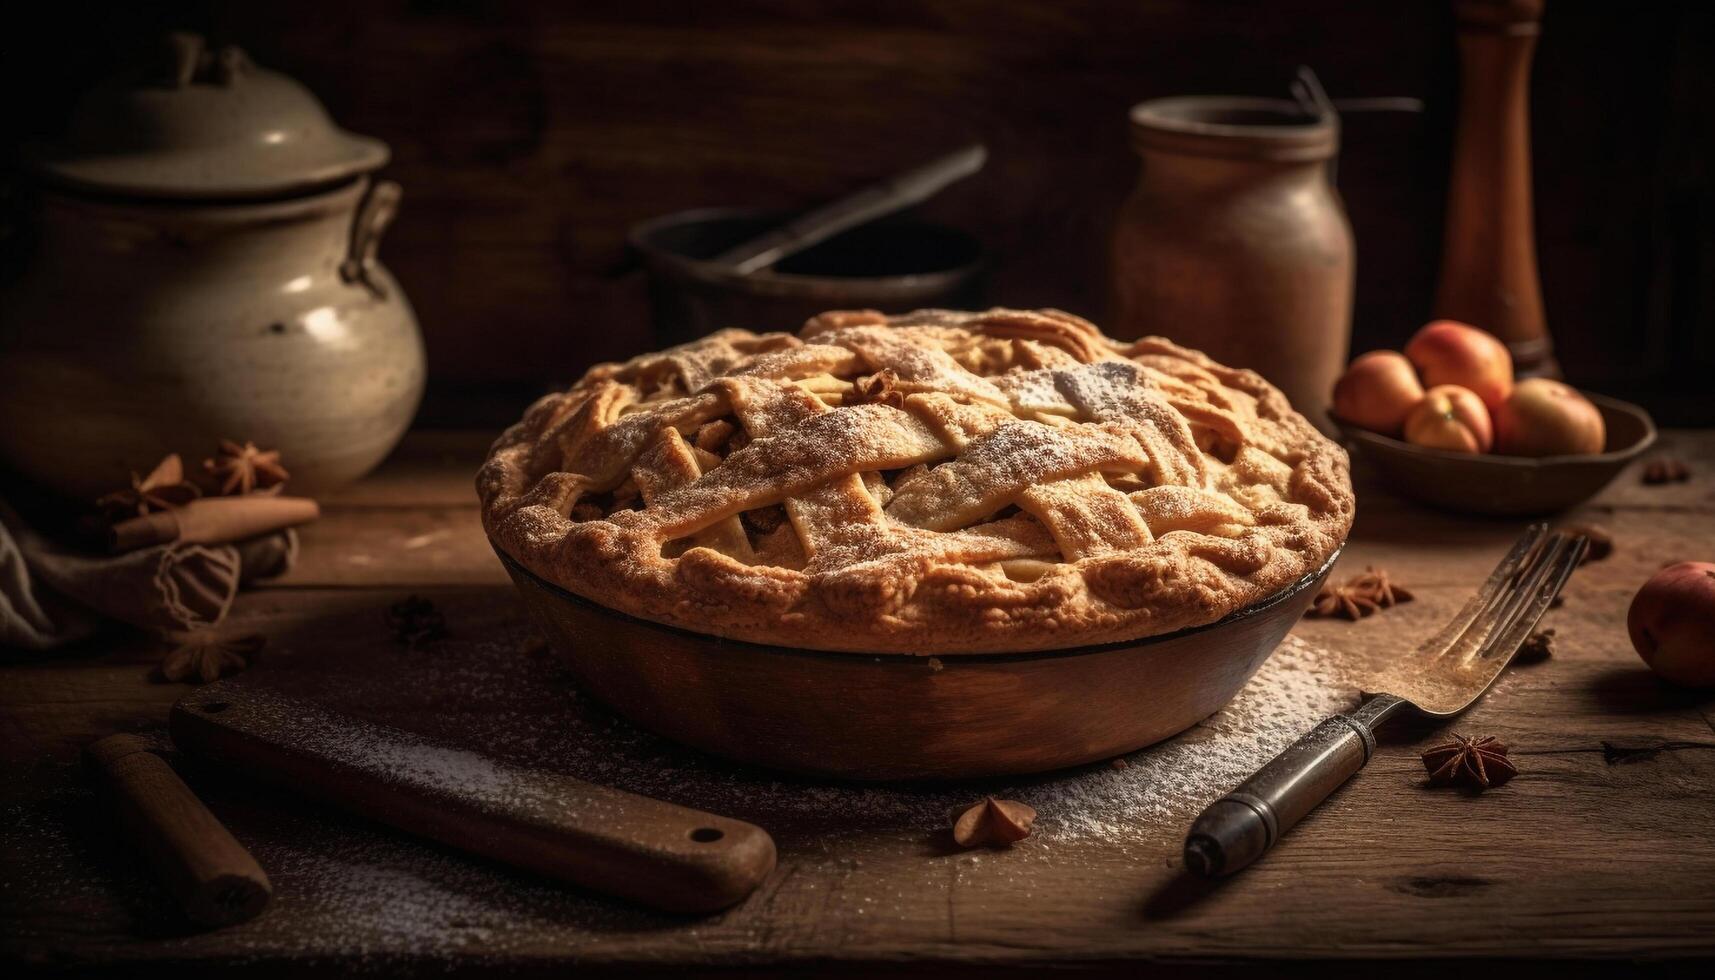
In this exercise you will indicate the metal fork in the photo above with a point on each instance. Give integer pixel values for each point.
(1446, 675)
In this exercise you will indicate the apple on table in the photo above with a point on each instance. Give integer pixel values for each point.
(1672, 623)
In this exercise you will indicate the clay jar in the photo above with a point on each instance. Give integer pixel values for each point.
(144, 329)
(1235, 241)
(205, 268)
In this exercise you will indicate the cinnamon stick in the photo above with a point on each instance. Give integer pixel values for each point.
(213, 520)
(213, 877)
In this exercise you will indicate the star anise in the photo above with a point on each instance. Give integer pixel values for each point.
(1358, 597)
(880, 388)
(1666, 469)
(163, 489)
(207, 655)
(415, 621)
(993, 823)
(1377, 582)
(1601, 542)
(1537, 646)
(1480, 762)
(243, 468)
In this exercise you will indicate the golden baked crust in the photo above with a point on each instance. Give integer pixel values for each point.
(933, 483)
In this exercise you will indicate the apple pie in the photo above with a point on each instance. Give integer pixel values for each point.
(933, 483)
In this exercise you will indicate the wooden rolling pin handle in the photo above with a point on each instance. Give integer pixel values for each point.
(212, 876)
(161, 527)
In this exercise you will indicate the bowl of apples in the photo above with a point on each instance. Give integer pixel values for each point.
(1445, 423)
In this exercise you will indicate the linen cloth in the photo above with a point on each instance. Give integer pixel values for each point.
(52, 595)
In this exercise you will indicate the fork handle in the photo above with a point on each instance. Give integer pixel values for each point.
(1240, 827)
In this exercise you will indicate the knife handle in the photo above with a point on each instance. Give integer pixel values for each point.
(649, 851)
(1240, 827)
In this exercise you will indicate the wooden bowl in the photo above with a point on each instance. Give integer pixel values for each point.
(895, 716)
(1507, 486)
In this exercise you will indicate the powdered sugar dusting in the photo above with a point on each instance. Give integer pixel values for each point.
(491, 703)
(1293, 691)
(470, 716)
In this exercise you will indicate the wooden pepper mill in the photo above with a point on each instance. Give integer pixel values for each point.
(1488, 263)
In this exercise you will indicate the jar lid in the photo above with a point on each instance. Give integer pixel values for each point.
(203, 123)
(1235, 127)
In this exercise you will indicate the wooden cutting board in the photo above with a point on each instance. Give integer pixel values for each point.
(659, 854)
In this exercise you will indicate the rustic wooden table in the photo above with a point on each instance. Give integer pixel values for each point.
(1602, 850)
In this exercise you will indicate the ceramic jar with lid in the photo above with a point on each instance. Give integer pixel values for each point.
(205, 268)
(1235, 242)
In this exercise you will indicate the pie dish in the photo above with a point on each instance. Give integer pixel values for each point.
(937, 483)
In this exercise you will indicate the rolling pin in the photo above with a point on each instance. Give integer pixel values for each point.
(211, 875)
(212, 520)
(655, 853)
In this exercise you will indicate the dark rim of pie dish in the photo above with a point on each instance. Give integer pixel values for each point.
(1308, 580)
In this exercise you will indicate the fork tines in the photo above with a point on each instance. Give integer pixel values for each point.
(1508, 604)
(1533, 591)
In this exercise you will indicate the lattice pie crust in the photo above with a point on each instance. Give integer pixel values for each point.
(933, 483)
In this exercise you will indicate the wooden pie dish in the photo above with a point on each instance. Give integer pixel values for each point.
(903, 717)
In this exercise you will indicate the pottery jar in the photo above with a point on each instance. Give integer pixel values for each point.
(204, 269)
(1235, 242)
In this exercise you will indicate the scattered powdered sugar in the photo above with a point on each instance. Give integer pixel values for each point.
(398, 902)
(437, 766)
(1163, 785)
(474, 717)
(489, 702)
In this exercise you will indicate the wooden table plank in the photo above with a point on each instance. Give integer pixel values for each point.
(1603, 847)
(429, 469)
(407, 546)
(413, 523)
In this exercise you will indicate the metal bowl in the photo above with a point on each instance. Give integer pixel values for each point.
(893, 266)
(902, 717)
(1507, 486)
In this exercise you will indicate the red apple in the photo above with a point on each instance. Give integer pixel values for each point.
(1672, 623)
(1377, 391)
(1447, 352)
(1452, 418)
(1546, 418)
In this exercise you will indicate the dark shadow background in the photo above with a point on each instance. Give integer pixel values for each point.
(530, 134)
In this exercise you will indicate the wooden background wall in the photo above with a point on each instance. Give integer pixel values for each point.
(530, 135)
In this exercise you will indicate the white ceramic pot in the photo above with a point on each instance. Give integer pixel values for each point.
(206, 270)
(147, 328)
